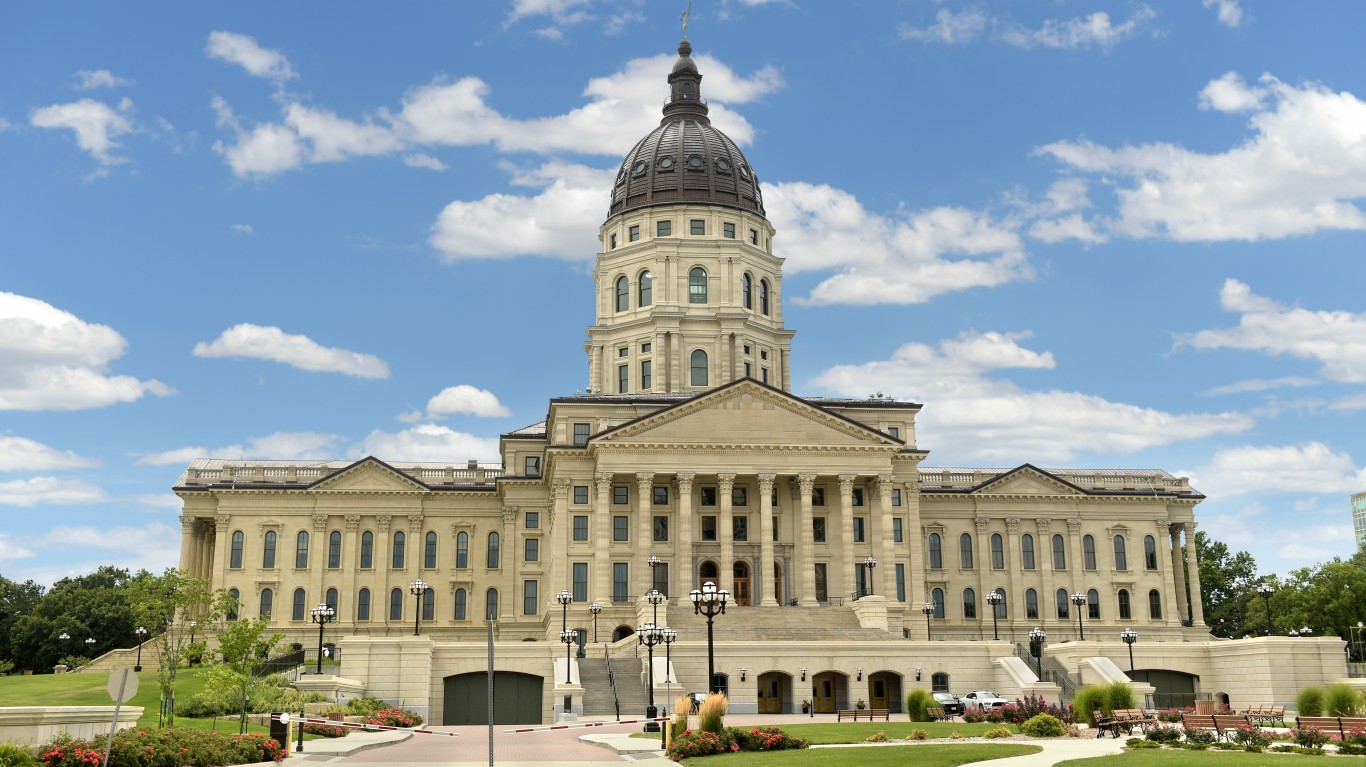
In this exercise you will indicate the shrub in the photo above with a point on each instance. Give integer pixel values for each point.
(395, 717)
(1118, 695)
(1201, 736)
(705, 743)
(364, 706)
(1030, 706)
(768, 739)
(682, 707)
(955, 735)
(14, 755)
(918, 703)
(973, 716)
(206, 705)
(1160, 734)
(997, 732)
(1310, 701)
(1042, 726)
(712, 712)
(1090, 703)
(1342, 700)
(918, 735)
(1309, 737)
(163, 748)
(1139, 743)
(327, 730)
(1169, 715)
(1250, 735)
(1356, 737)
(877, 737)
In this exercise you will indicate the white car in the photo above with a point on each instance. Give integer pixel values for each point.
(983, 700)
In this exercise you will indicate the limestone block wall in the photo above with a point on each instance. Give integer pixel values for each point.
(36, 725)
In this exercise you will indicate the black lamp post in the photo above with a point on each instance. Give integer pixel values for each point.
(1266, 591)
(595, 609)
(668, 636)
(649, 635)
(1129, 636)
(142, 635)
(63, 638)
(323, 614)
(928, 609)
(90, 647)
(1079, 599)
(711, 602)
(1036, 637)
(418, 589)
(868, 565)
(566, 636)
(653, 562)
(994, 599)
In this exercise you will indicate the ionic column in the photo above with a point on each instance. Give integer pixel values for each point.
(1015, 592)
(187, 545)
(1078, 564)
(725, 483)
(983, 567)
(384, 559)
(508, 565)
(1174, 534)
(317, 562)
(644, 540)
(803, 559)
(1048, 609)
(413, 549)
(1193, 573)
(883, 533)
(218, 578)
(767, 597)
(1168, 579)
(916, 592)
(847, 565)
(560, 516)
(349, 550)
(601, 577)
(682, 578)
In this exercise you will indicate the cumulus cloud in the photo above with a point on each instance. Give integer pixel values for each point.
(52, 360)
(1261, 384)
(42, 491)
(982, 417)
(1334, 339)
(282, 445)
(1230, 13)
(1308, 468)
(90, 79)
(246, 53)
(94, 123)
(429, 442)
(1299, 173)
(21, 454)
(11, 551)
(419, 160)
(271, 343)
(1095, 29)
(949, 27)
(466, 400)
(154, 546)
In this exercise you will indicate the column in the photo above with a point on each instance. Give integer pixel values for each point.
(847, 564)
(595, 366)
(412, 549)
(916, 591)
(1048, 609)
(1015, 591)
(560, 516)
(384, 559)
(765, 574)
(317, 563)
(671, 361)
(187, 545)
(510, 600)
(1168, 582)
(802, 574)
(1174, 534)
(350, 559)
(682, 576)
(982, 561)
(601, 577)
(1078, 564)
(885, 573)
(1193, 573)
(645, 482)
(725, 531)
(218, 578)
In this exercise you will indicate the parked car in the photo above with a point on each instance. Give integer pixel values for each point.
(947, 701)
(983, 700)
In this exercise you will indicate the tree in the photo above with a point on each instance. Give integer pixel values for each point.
(1328, 598)
(243, 648)
(16, 601)
(166, 604)
(1227, 583)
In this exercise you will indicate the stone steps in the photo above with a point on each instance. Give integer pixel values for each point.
(597, 689)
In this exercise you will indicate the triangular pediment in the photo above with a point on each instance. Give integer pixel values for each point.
(368, 475)
(746, 413)
(1027, 480)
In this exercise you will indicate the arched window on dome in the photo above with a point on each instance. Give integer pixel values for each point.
(763, 297)
(645, 289)
(623, 294)
(697, 285)
(699, 368)
(747, 291)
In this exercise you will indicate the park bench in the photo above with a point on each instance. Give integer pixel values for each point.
(1198, 723)
(937, 714)
(1133, 717)
(1266, 714)
(1333, 725)
(1225, 724)
(865, 713)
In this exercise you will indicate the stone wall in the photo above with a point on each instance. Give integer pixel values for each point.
(36, 725)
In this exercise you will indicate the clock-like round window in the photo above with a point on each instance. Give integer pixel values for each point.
(694, 161)
(666, 162)
(639, 168)
(744, 171)
(621, 174)
(723, 165)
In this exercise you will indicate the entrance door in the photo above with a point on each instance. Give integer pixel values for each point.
(516, 698)
(708, 572)
(772, 692)
(884, 691)
(741, 584)
(827, 692)
(777, 583)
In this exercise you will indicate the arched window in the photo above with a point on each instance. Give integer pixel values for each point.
(235, 598)
(969, 604)
(334, 549)
(1059, 553)
(460, 607)
(268, 551)
(331, 599)
(965, 551)
(1031, 603)
(298, 612)
(936, 552)
(747, 291)
(1001, 606)
(623, 294)
(645, 289)
(491, 604)
(998, 552)
(367, 550)
(396, 605)
(235, 558)
(1088, 552)
(429, 604)
(1155, 605)
(1093, 604)
(1121, 556)
(699, 368)
(697, 285)
(939, 681)
(1149, 552)
(1063, 602)
(301, 550)
(267, 603)
(937, 597)
(493, 550)
(429, 551)
(763, 297)
(363, 605)
(1125, 611)
(1027, 551)
(462, 550)
(398, 550)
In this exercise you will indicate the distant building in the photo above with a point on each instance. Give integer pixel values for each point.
(1359, 520)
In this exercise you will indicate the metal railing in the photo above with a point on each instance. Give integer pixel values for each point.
(612, 680)
(281, 664)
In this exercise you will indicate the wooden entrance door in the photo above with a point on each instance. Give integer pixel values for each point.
(741, 594)
(772, 692)
(827, 691)
(777, 583)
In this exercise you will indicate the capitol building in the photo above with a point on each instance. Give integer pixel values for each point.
(853, 571)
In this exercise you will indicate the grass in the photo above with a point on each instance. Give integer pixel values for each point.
(1182, 758)
(858, 732)
(872, 756)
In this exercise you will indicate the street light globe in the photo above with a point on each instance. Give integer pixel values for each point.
(564, 597)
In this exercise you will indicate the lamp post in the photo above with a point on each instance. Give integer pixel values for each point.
(193, 625)
(668, 636)
(928, 609)
(1079, 599)
(995, 598)
(322, 615)
(711, 602)
(653, 562)
(566, 636)
(1306, 631)
(63, 638)
(142, 635)
(868, 565)
(1266, 591)
(1129, 636)
(90, 647)
(595, 609)
(1036, 637)
(650, 635)
(418, 589)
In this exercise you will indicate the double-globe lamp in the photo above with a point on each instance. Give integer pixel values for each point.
(711, 602)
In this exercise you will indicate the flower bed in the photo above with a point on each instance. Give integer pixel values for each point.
(163, 748)
(703, 743)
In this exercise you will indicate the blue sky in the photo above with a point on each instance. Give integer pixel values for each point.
(1082, 233)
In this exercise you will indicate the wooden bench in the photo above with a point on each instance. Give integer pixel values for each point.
(937, 714)
(1199, 723)
(863, 713)
(1225, 724)
(1333, 725)
(1265, 714)
(1133, 717)
(1109, 724)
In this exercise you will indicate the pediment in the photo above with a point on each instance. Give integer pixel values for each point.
(368, 475)
(1027, 480)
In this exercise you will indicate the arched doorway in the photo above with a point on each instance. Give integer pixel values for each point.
(516, 698)
(621, 632)
(708, 571)
(777, 583)
(830, 691)
(884, 691)
(741, 596)
(775, 693)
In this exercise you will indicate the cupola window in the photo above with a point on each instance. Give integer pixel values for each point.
(623, 294)
(763, 297)
(699, 368)
(746, 292)
(695, 162)
(697, 285)
(646, 289)
(639, 168)
(666, 162)
(723, 165)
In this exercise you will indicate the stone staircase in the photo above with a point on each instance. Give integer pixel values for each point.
(597, 689)
(784, 624)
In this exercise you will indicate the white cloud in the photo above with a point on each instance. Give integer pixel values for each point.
(1079, 32)
(243, 229)
(154, 546)
(264, 150)
(89, 79)
(1335, 339)
(244, 51)
(10, 552)
(1231, 93)
(949, 27)
(466, 399)
(250, 341)
(419, 160)
(1230, 14)
(1308, 468)
(282, 445)
(333, 138)
(52, 360)
(38, 491)
(563, 11)
(21, 454)
(1070, 227)
(95, 123)
(979, 417)
(5, 125)
(429, 442)
(1299, 173)
(1258, 384)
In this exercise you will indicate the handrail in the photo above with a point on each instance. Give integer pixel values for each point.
(612, 680)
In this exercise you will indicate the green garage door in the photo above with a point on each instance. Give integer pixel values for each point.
(516, 698)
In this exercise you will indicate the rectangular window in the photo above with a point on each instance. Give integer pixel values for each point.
(896, 496)
(533, 466)
(728, 230)
(774, 526)
(581, 494)
(533, 550)
(749, 370)
(900, 582)
(661, 577)
(746, 348)
(898, 535)
(646, 380)
(763, 374)
(645, 348)
(621, 572)
(709, 528)
(818, 529)
(623, 378)
(697, 226)
(660, 529)
(621, 495)
(822, 595)
(858, 529)
(664, 228)
(661, 495)
(580, 527)
(580, 434)
(614, 241)
(633, 233)
(624, 351)
(533, 520)
(739, 528)
(857, 496)
(817, 496)
(754, 237)
(893, 431)
(708, 496)
(739, 496)
(580, 581)
(529, 589)
(763, 354)
(621, 528)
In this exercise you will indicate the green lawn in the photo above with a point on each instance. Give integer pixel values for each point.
(857, 732)
(872, 756)
(1171, 757)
